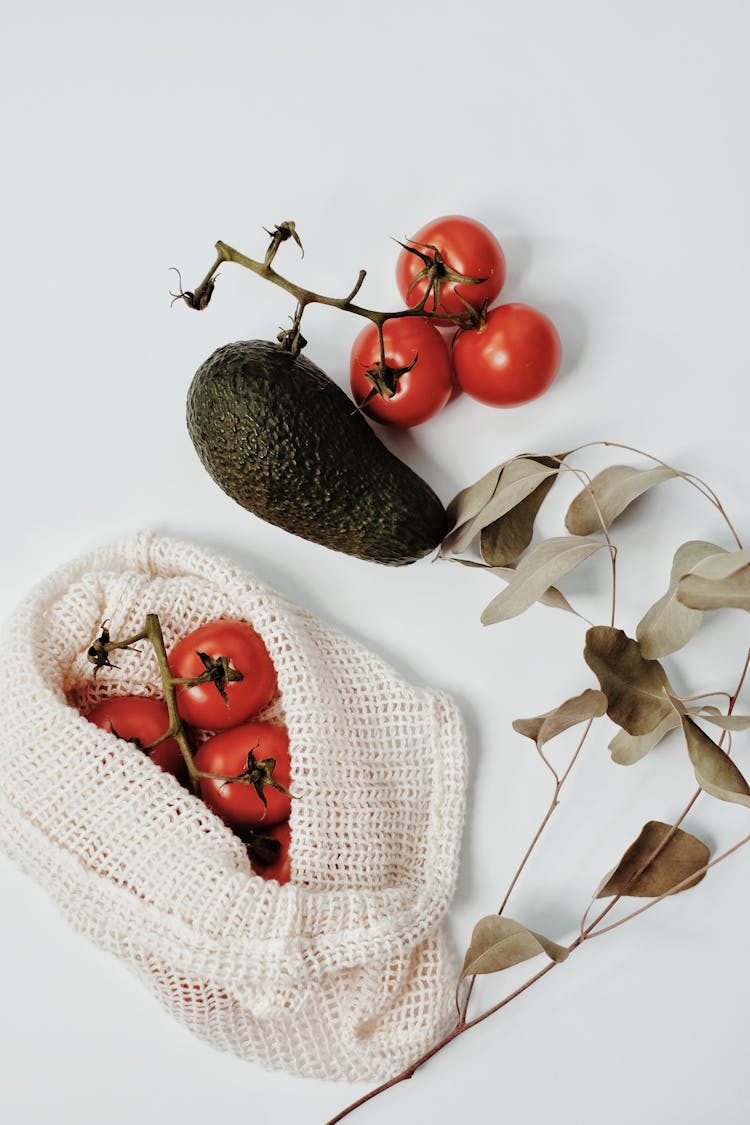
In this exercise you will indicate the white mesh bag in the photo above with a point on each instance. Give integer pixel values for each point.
(345, 971)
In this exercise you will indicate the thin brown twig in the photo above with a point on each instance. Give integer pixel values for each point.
(696, 482)
(588, 485)
(687, 882)
(559, 781)
(587, 930)
(226, 253)
(585, 933)
(462, 1026)
(458, 1029)
(553, 805)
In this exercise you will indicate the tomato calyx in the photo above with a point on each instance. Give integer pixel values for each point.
(259, 774)
(134, 741)
(291, 339)
(98, 652)
(384, 380)
(218, 670)
(194, 299)
(263, 850)
(477, 318)
(436, 273)
(282, 232)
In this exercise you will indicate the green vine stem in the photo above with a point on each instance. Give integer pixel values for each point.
(98, 655)
(435, 272)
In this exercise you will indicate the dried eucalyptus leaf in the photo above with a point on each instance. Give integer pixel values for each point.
(714, 716)
(637, 689)
(536, 572)
(724, 584)
(554, 598)
(684, 855)
(498, 942)
(627, 749)
(615, 488)
(519, 478)
(714, 769)
(724, 564)
(551, 597)
(470, 502)
(669, 624)
(590, 704)
(508, 536)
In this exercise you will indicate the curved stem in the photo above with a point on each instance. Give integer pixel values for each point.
(687, 882)
(402, 1077)
(703, 695)
(586, 479)
(463, 1025)
(459, 1028)
(153, 633)
(696, 482)
(587, 482)
(587, 930)
(559, 782)
(553, 805)
(227, 253)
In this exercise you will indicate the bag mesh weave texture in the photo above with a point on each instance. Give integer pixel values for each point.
(345, 972)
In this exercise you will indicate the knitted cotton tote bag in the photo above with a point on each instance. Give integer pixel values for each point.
(345, 971)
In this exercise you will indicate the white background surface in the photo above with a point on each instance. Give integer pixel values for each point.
(606, 145)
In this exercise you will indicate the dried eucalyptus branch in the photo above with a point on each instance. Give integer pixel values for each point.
(501, 509)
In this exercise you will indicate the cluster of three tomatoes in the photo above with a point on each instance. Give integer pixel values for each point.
(502, 356)
(204, 707)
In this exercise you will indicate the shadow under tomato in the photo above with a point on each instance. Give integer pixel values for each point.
(572, 330)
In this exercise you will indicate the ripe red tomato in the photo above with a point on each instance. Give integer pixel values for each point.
(280, 869)
(509, 359)
(203, 705)
(467, 247)
(420, 392)
(138, 719)
(237, 802)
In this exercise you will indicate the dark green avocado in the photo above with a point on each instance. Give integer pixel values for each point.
(285, 442)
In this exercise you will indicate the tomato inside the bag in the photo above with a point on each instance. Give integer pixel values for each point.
(203, 704)
(280, 869)
(140, 720)
(237, 802)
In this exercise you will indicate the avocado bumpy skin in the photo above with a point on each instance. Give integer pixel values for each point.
(285, 442)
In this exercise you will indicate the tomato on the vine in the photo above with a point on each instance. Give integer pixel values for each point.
(140, 720)
(510, 358)
(420, 391)
(280, 868)
(203, 705)
(466, 247)
(243, 753)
